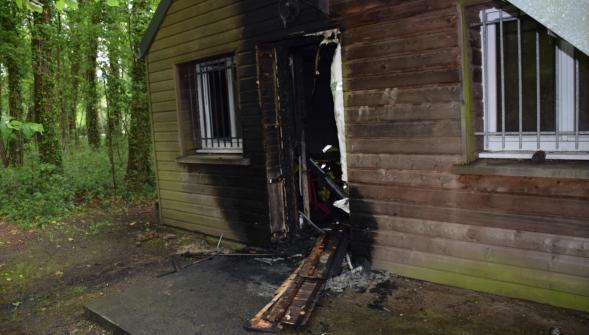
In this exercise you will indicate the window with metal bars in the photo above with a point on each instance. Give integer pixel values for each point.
(208, 93)
(535, 90)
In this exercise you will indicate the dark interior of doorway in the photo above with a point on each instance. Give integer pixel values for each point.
(315, 128)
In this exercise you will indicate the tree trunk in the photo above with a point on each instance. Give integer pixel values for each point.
(92, 99)
(15, 147)
(73, 105)
(49, 148)
(115, 93)
(92, 125)
(1, 85)
(74, 82)
(3, 157)
(62, 94)
(139, 163)
(114, 85)
(12, 47)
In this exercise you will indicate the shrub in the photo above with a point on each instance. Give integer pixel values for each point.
(90, 174)
(34, 194)
(37, 193)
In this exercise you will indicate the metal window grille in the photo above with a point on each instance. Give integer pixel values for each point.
(531, 90)
(212, 106)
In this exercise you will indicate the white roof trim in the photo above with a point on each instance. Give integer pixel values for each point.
(569, 19)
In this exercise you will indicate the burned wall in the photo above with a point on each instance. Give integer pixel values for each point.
(405, 108)
(214, 197)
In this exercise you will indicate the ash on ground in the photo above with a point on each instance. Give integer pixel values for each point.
(357, 280)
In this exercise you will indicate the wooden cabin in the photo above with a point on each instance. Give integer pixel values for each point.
(462, 131)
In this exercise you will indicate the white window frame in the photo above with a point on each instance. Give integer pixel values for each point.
(567, 142)
(209, 145)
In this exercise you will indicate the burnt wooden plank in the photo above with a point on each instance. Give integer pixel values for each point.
(259, 322)
(310, 263)
(303, 303)
(295, 299)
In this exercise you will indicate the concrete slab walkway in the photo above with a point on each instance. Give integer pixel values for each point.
(214, 297)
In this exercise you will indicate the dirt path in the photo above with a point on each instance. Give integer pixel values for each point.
(47, 275)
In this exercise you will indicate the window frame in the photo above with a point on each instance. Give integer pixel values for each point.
(566, 142)
(212, 144)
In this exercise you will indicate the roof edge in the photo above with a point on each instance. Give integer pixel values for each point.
(152, 29)
(568, 19)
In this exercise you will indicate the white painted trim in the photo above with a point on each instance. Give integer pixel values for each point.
(493, 14)
(492, 78)
(550, 155)
(230, 94)
(565, 83)
(221, 150)
(547, 142)
(201, 99)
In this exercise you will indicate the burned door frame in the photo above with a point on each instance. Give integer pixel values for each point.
(274, 92)
(277, 106)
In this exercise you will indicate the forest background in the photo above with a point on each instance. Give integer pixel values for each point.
(74, 118)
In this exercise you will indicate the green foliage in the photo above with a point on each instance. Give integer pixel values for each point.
(90, 174)
(31, 5)
(35, 6)
(62, 4)
(10, 127)
(139, 170)
(48, 61)
(36, 194)
(44, 95)
(94, 14)
(12, 133)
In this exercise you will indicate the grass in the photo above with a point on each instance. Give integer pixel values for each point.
(37, 194)
(18, 276)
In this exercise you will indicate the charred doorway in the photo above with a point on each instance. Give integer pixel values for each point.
(303, 132)
(302, 136)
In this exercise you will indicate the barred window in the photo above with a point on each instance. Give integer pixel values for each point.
(535, 88)
(208, 93)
